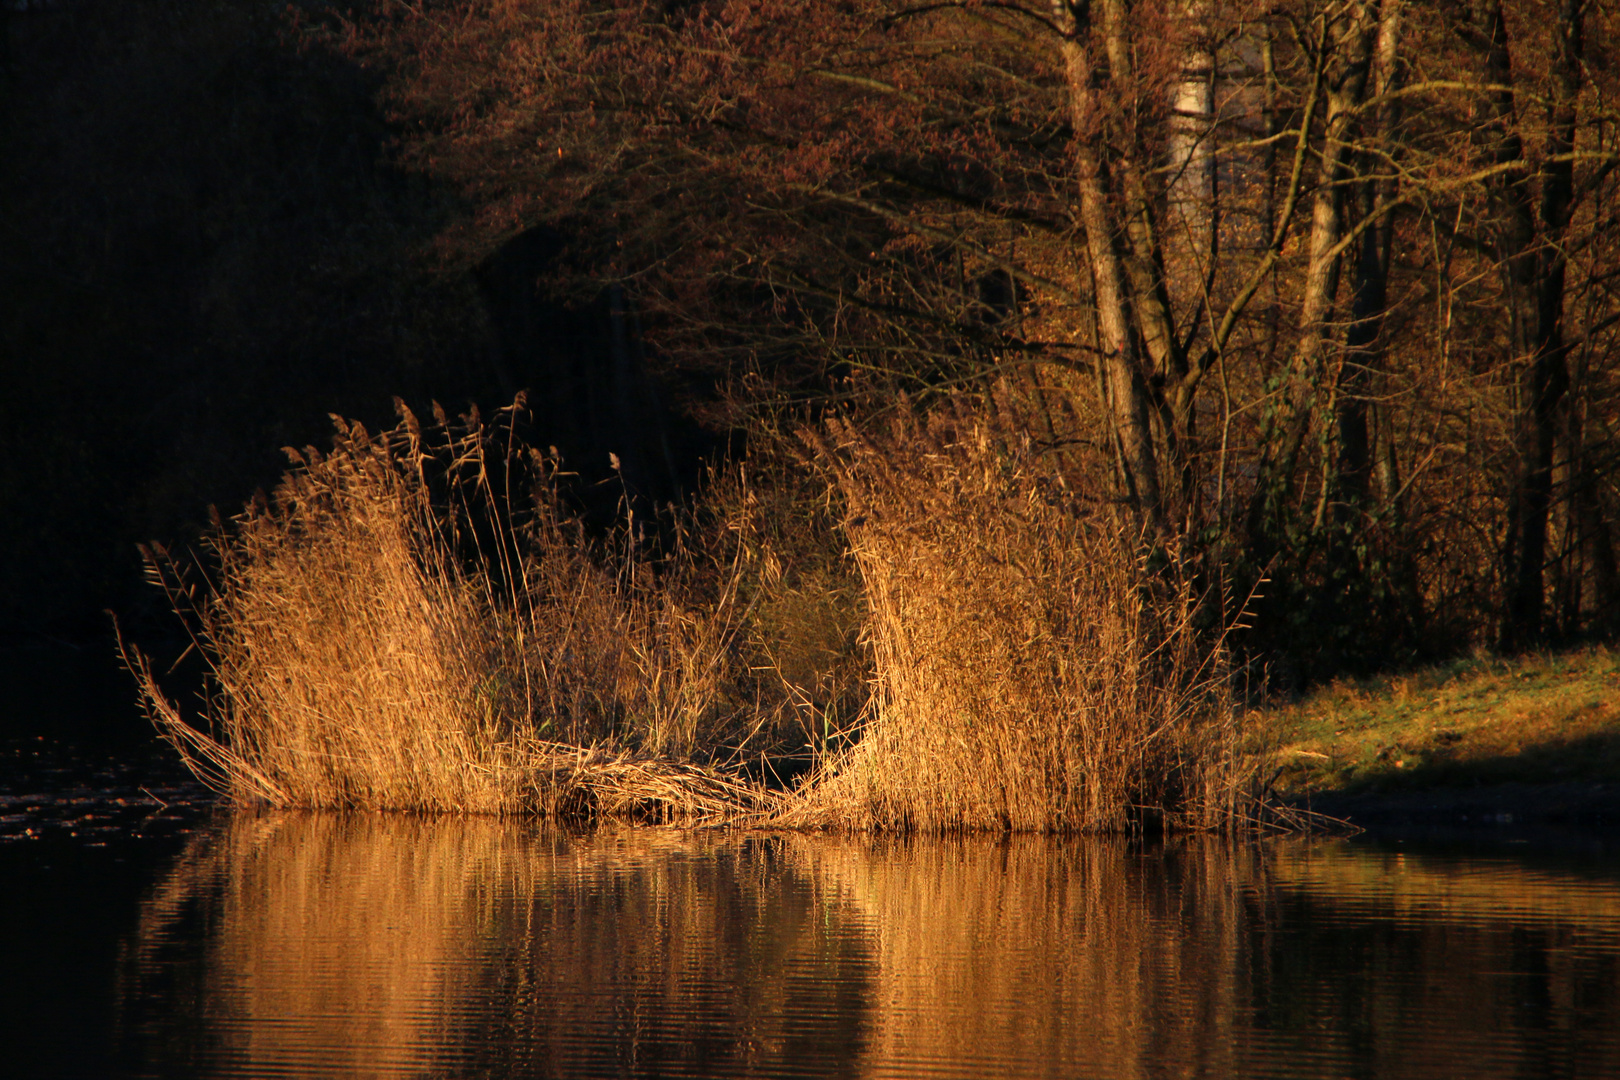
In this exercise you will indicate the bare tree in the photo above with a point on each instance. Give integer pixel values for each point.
(1223, 216)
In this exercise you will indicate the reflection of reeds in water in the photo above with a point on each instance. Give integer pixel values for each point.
(388, 945)
(328, 939)
(394, 946)
(1094, 957)
(1085, 956)
(377, 945)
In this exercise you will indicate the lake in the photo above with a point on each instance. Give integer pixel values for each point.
(295, 944)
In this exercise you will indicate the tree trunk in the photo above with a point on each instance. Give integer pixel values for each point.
(1346, 88)
(1141, 259)
(1348, 41)
(1192, 234)
(1534, 276)
(1190, 240)
(1124, 381)
(1363, 350)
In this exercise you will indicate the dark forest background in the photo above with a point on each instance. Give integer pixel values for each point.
(221, 222)
(204, 251)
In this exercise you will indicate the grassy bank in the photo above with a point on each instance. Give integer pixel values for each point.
(1535, 720)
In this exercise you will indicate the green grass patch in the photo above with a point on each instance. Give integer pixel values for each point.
(1543, 718)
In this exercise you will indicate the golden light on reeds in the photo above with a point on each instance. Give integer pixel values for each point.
(1081, 955)
(373, 643)
(1032, 670)
(414, 622)
(371, 945)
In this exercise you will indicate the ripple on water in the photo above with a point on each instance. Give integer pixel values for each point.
(391, 946)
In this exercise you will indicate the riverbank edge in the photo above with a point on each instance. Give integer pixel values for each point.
(1507, 811)
(1475, 746)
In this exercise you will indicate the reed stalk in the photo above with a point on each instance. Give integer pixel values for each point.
(1037, 662)
(414, 622)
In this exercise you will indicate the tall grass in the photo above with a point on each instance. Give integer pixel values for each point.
(413, 622)
(1037, 663)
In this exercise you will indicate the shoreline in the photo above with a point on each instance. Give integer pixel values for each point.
(1586, 813)
(1482, 747)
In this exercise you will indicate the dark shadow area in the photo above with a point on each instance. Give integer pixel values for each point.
(83, 823)
(204, 252)
(1558, 791)
(585, 369)
(1563, 816)
(75, 916)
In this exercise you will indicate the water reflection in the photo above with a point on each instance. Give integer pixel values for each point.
(365, 946)
(396, 946)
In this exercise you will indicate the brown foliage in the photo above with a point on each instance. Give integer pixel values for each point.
(1294, 238)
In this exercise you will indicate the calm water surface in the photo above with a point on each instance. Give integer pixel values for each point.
(271, 945)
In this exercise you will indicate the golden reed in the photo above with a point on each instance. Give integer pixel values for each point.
(414, 622)
(1037, 662)
(383, 633)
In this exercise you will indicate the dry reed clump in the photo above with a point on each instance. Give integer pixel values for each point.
(1036, 666)
(403, 627)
